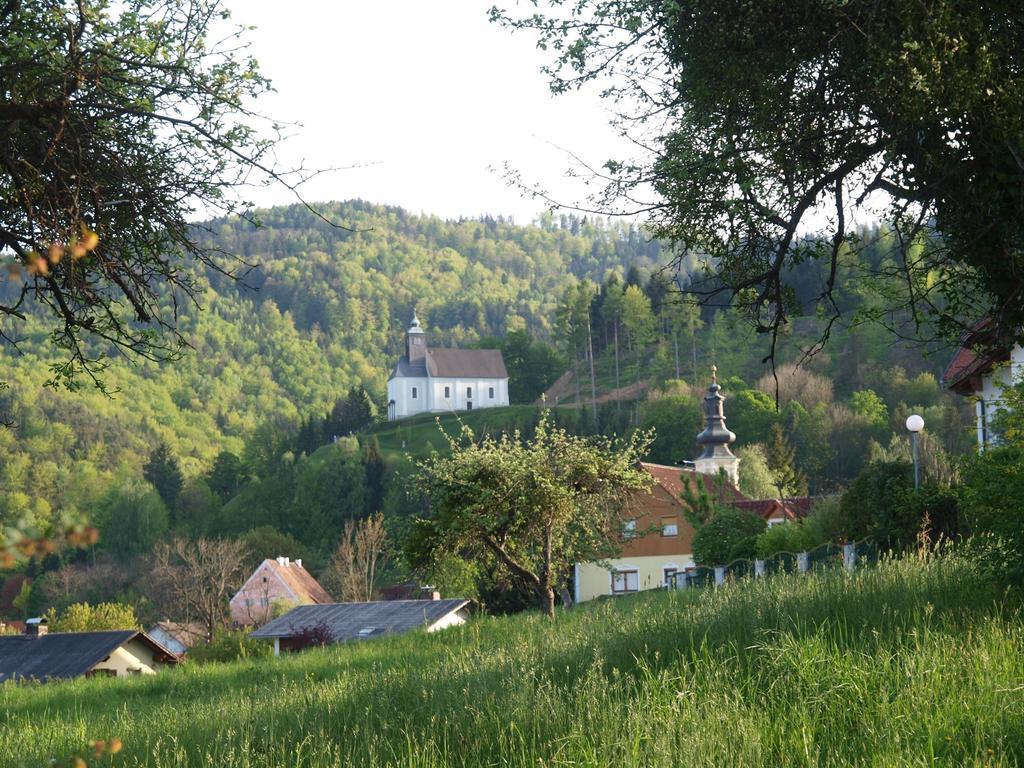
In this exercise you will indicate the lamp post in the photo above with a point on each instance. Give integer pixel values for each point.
(914, 425)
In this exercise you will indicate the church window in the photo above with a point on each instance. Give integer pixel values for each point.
(447, 392)
(414, 393)
(490, 392)
(469, 391)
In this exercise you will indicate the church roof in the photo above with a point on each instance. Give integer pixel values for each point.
(454, 363)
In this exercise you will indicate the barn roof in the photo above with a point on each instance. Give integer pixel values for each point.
(353, 621)
(65, 654)
(454, 363)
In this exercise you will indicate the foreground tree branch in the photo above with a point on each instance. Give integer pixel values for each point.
(118, 124)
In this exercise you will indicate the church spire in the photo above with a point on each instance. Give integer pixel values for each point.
(415, 340)
(716, 437)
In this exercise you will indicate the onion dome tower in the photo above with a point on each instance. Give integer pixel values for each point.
(415, 341)
(715, 439)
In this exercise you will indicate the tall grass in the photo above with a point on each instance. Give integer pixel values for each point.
(907, 664)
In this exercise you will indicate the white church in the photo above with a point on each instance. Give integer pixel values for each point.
(432, 380)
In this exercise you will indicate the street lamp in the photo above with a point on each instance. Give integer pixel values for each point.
(914, 425)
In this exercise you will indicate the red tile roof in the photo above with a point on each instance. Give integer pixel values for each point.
(671, 479)
(976, 356)
(791, 509)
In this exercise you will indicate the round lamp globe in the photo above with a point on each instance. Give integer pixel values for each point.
(915, 423)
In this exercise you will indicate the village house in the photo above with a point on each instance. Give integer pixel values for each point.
(343, 622)
(983, 375)
(276, 583)
(434, 380)
(177, 637)
(659, 538)
(39, 655)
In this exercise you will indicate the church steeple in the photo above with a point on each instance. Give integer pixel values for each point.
(415, 340)
(715, 438)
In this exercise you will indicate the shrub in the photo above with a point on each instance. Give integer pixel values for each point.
(991, 497)
(313, 636)
(229, 646)
(731, 534)
(874, 505)
(825, 521)
(794, 536)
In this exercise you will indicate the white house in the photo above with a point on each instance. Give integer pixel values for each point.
(431, 380)
(983, 376)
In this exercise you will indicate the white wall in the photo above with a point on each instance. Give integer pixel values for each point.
(430, 394)
(990, 397)
(400, 390)
(132, 658)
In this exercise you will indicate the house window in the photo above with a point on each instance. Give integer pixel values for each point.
(414, 393)
(469, 391)
(625, 581)
(670, 526)
(490, 392)
(447, 392)
(629, 529)
(669, 579)
(469, 405)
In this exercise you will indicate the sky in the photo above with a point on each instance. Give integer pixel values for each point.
(430, 100)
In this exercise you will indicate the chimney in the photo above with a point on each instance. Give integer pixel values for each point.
(36, 627)
(287, 562)
(298, 562)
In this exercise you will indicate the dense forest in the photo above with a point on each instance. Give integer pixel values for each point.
(264, 425)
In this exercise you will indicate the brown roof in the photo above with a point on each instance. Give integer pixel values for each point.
(976, 356)
(300, 581)
(791, 509)
(479, 363)
(671, 479)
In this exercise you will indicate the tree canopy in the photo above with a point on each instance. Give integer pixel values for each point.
(763, 120)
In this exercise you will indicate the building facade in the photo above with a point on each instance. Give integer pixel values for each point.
(433, 380)
(981, 373)
(273, 585)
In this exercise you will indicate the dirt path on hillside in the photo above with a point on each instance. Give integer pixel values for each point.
(563, 392)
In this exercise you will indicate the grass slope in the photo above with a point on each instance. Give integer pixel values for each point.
(907, 664)
(417, 436)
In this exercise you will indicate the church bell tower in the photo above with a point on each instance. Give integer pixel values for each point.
(415, 341)
(715, 438)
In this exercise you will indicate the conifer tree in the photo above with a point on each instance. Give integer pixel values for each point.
(164, 474)
(782, 464)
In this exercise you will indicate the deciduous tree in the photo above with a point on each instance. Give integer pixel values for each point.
(535, 506)
(193, 580)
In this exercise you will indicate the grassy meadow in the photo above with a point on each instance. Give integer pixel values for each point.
(909, 663)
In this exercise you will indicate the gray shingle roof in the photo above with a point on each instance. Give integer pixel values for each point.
(63, 654)
(352, 621)
(454, 363)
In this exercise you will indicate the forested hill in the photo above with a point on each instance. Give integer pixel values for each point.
(324, 310)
